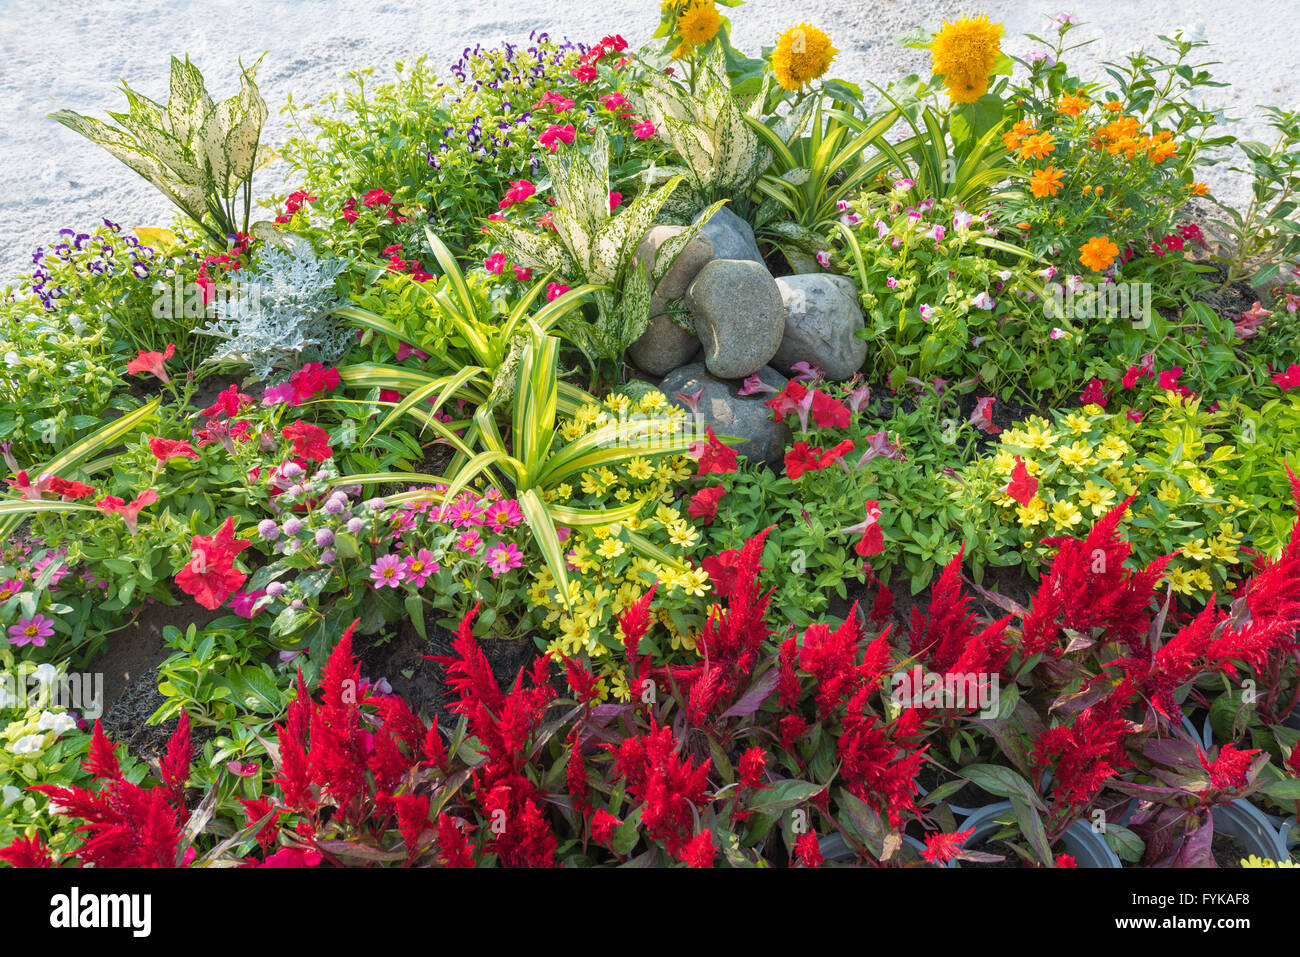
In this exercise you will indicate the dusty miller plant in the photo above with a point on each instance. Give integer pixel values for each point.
(281, 317)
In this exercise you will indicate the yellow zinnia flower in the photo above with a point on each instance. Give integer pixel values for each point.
(1065, 514)
(802, 54)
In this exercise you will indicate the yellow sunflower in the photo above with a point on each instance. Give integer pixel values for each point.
(802, 54)
(964, 54)
(698, 23)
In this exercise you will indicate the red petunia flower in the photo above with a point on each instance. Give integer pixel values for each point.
(309, 441)
(152, 362)
(704, 504)
(166, 449)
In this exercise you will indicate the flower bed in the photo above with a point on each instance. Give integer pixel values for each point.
(663, 457)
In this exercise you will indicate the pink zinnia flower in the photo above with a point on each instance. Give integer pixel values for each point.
(469, 541)
(31, 631)
(464, 511)
(419, 567)
(387, 571)
(502, 515)
(503, 557)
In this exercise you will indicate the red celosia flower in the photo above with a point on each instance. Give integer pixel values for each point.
(412, 818)
(808, 849)
(1085, 755)
(166, 449)
(1023, 486)
(883, 606)
(700, 850)
(1088, 586)
(152, 362)
(1231, 769)
(752, 765)
(452, 848)
(27, 852)
(793, 727)
(704, 504)
(309, 441)
(670, 787)
(603, 826)
(941, 848)
(1065, 860)
(787, 680)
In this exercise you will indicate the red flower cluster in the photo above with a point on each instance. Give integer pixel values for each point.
(294, 203)
(210, 576)
(125, 825)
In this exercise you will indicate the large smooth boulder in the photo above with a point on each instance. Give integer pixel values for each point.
(739, 316)
(822, 319)
(727, 413)
(664, 345)
(730, 236)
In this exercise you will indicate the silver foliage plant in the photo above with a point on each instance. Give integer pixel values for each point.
(278, 316)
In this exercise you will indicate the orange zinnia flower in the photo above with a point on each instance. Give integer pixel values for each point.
(1071, 105)
(1045, 182)
(1037, 146)
(1114, 106)
(1098, 253)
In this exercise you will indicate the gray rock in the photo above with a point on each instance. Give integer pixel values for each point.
(739, 316)
(727, 413)
(664, 345)
(689, 261)
(822, 318)
(730, 236)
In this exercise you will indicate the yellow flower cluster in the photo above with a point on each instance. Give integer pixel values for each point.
(964, 54)
(607, 573)
(1086, 464)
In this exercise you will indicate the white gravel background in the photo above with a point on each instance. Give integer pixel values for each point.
(73, 53)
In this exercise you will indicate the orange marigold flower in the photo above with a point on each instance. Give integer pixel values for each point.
(1071, 105)
(1098, 253)
(1046, 182)
(1114, 106)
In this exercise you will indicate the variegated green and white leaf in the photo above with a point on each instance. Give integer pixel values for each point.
(188, 101)
(673, 246)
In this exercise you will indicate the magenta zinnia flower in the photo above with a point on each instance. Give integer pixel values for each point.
(502, 515)
(419, 567)
(31, 631)
(503, 557)
(387, 570)
(469, 541)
